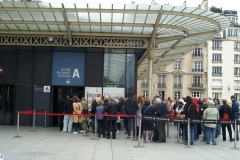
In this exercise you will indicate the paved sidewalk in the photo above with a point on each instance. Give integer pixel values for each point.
(50, 144)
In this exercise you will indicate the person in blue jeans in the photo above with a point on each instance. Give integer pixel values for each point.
(235, 114)
(68, 119)
(211, 113)
(190, 111)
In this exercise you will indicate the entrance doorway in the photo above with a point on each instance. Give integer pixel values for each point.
(58, 92)
(6, 104)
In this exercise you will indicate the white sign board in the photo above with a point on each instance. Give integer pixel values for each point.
(47, 89)
(115, 93)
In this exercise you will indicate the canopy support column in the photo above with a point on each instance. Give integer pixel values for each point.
(150, 69)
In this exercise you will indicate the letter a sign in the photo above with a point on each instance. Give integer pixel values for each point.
(75, 73)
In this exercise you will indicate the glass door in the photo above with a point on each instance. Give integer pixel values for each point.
(6, 104)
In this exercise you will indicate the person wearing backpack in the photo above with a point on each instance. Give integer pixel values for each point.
(225, 114)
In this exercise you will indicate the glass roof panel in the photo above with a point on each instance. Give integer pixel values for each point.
(53, 27)
(14, 15)
(32, 27)
(3, 27)
(93, 6)
(85, 28)
(129, 18)
(127, 29)
(32, 4)
(140, 18)
(106, 29)
(44, 5)
(22, 27)
(18, 4)
(155, 7)
(131, 7)
(106, 17)
(12, 26)
(162, 18)
(26, 15)
(189, 10)
(178, 8)
(137, 30)
(49, 16)
(167, 7)
(199, 11)
(68, 5)
(96, 28)
(74, 28)
(147, 30)
(37, 16)
(83, 17)
(4, 15)
(43, 27)
(106, 6)
(117, 17)
(72, 16)
(56, 5)
(58, 16)
(118, 6)
(81, 5)
(94, 17)
(62, 28)
(206, 13)
(168, 18)
(151, 18)
(143, 7)
(116, 29)
(7, 4)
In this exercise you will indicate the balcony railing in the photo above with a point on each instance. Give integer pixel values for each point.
(161, 84)
(197, 70)
(237, 61)
(197, 55)
(144, 84)
(197, 85)
(177, 85)
(216, 74)
(216, 87)
(177, 68)
(216, 48)
(233, 36)
(237, 49)
(236, 87)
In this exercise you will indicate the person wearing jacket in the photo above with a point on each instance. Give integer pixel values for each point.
(112, 109)
(190, 111)
(77, 109)
(68, 119)
(100, 119)
(225, 113)
(211, 113)
(235, 111)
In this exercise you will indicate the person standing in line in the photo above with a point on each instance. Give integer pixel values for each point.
(122, 111)
(111, 109)
(139, 112)
(218, 127)
(100, 119)
(131, 108)
(85, 117)
(179, 110)
(77, 119)
(161, 112)
(68, 119)
(61, 105)
(211, 113)
(147, 125)
(225, 113)
(93, 111)
(235, 112)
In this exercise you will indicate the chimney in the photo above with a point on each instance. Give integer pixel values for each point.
(204, 5)
(185, 3)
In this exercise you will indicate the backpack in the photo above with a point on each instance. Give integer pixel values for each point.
(225, 114)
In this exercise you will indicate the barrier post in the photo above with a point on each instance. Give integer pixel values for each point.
(188, 133)
(139, 133)
(135, 127)
(168, 128)
(45, 118)
(17, 136)
(235, 135)
(95, 128)
(34, 116)
(178, 132)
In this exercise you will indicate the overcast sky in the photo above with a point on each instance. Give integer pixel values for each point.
(225, 4)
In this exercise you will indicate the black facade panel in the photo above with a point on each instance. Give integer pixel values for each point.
(8, 63)
(23, 102)
(43, 68)
(94, 69)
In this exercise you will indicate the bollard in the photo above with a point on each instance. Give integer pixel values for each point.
(178, 130)
(34, 116)
(168, 129)
(17, 136)
(139, 133)
(235, 135)
(95, 134)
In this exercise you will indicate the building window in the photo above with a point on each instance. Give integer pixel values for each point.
(230, 32)
(235, 32)
(217, 84)
(177, 95)
(197, 81)
(216, 45)
(236, 71)
(197, 66)
(217, 57)
(178, 81)
(217, 71)
(237, 46)
(217, 95)
(145, 94)
(196, 94)
(236, 58)
(178, 65)
(237, 84)
(197, 52)
(237, 95)
(161, 82)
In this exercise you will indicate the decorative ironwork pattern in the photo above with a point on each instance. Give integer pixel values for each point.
(76, 41)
